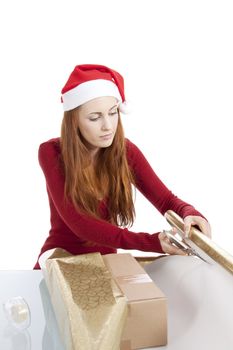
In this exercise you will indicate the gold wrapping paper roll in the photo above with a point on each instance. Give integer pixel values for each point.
(203, 242)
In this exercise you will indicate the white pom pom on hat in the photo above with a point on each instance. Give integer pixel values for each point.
(125, 107)
(89, 81)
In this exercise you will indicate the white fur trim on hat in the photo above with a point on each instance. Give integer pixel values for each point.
(87, 91)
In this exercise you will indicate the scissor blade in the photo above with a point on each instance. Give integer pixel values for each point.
(193, 250)
(199, 256)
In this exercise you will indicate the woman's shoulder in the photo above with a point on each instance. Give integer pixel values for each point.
(133, 153)
(131, 148)
(129, 144)
(50, 144)
(50, 148)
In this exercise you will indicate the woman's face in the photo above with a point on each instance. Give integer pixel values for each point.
(97, 121)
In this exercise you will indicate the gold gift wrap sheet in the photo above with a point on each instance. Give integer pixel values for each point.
(89, 307)
(105, 302)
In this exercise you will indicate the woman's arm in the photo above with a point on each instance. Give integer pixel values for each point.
(160, 196)
(149, 184)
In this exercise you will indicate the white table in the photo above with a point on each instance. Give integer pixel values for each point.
(200, 306)
(25, 284)
(200, 302)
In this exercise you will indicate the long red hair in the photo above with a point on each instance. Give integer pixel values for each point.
(110, 178)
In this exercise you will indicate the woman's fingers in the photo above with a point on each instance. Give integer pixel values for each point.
(200, 222)
(168, 247)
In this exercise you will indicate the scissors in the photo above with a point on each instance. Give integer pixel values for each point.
(179, 243)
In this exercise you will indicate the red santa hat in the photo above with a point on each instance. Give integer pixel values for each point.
(88, 81)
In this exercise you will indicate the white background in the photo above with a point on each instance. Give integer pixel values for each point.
(176, 58)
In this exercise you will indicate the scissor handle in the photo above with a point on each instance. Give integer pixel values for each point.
(178, 243)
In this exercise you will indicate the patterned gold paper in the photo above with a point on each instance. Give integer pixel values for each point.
(145, 260)
(90, 308)
(203, 242)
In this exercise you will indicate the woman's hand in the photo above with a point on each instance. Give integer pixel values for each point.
(167, 246)
(189, 221)
(200, 222)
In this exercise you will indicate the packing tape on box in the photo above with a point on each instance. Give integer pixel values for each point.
(137, 278)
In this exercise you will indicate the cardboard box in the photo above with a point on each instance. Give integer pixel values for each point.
(146, 323)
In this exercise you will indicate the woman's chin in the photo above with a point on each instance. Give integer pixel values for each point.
(105, 143)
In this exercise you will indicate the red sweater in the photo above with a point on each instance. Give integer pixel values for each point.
(79, 233)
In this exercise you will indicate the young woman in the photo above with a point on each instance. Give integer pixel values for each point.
(91, 169)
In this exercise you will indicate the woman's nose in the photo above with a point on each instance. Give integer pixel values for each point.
(106, 125)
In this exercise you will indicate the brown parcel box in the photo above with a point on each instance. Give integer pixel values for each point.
(146, 324)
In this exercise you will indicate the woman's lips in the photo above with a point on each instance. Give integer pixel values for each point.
(106, 137)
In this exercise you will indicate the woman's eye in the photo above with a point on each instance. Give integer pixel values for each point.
(113, 113)
(93, 119)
